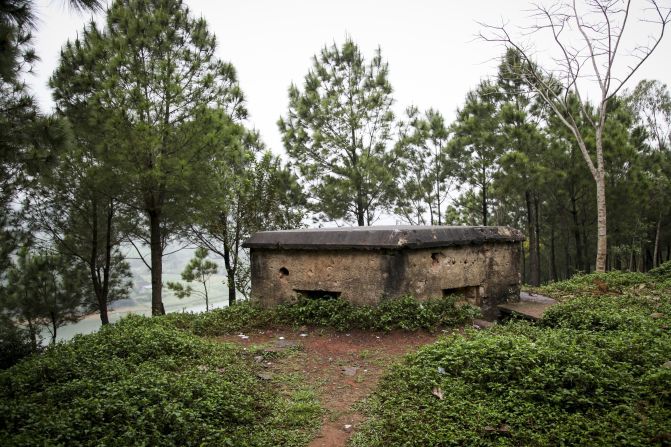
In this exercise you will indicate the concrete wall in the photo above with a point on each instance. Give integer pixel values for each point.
(485, 274)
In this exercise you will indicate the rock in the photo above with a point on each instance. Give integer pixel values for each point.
(667, 364)
(258, 358)
(656, 315)
(441, 370)
(347, 428)
(536, 298)
(349, 370)
(482, 324)
(265, 376)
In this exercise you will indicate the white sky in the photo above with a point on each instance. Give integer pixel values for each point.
(429, 44)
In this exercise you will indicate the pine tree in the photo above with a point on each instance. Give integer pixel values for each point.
(162, 100)
(200, 270)
(477, 144)
(251, 191)
(426, 166)
(337, 130)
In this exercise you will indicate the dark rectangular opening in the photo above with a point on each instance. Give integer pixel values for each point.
(319, 294)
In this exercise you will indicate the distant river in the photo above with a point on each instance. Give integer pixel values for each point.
(141, 304)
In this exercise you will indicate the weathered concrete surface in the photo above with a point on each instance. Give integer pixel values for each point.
(381, 237)
(530, 306)
(358, 265)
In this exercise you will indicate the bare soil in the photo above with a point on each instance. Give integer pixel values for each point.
(343, 368)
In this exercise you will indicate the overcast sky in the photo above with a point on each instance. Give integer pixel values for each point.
(429, 45)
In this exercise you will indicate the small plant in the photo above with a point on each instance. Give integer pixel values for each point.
(199, 270)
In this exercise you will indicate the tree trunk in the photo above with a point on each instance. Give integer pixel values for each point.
(538, 234)
(231, 288)
(534, 273)
(93, 265)
(524, 264)
(656, 249)
(32, 331)
(207, 298)
(583, 229)
(437, 193)
(104, 317)
(156, 263)
(553, 258)
(230, 276)
(360, 212)
(567, 255)
(576, 234)
(484, 204)
(54, 327)
(602, 227)
(108, 264)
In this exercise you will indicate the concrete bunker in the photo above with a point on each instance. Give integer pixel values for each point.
(367, 264)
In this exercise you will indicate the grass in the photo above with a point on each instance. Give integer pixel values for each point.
(591, 373)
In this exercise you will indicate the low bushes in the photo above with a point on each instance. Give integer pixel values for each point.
(594, 372)
(595, 284)
(143, 382)
(662, 273)
(15, 342)
(399, 313)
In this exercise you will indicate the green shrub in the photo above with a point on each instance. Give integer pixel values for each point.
(399, 313)
(336, 313)
(139, 382)
(582, 284)
(592, 374)
(662, 273)
(609, 313)
(15, 343)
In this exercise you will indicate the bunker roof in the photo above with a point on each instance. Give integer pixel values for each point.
(381, 237)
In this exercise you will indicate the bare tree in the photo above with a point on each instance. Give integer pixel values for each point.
(588, 39)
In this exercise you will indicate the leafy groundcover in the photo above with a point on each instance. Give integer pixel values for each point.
(404, 313)
(593, 372)
(143, 382)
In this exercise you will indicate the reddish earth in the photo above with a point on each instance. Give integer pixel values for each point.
(343, 368)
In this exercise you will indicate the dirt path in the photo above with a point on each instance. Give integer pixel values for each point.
(343, 368)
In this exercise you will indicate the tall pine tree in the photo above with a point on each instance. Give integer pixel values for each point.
(337, 130)
(161, 99)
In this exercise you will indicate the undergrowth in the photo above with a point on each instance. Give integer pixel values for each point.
(594, 372)
(143, 382)
(399, 313)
